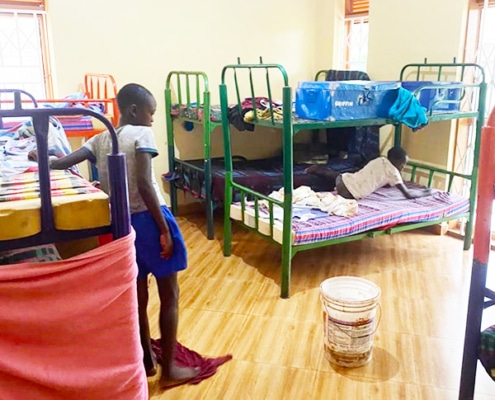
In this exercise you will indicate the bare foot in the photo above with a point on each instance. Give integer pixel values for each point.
(178, 376)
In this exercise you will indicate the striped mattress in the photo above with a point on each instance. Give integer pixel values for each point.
(383, 209)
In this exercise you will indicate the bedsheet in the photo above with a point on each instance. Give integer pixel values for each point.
(70, 328)
(486, 350)
(15, 144)
(76, 204)
(384, 208)
(70, 123)
(196, 113)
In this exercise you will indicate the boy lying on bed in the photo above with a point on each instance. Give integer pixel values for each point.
(377, 173)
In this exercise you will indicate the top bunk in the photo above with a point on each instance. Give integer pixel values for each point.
(188, 98)
(41, 206)
(425, 92)
(99, 94)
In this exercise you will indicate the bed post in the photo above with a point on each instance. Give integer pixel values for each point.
(288, 189)
(41, 126)
(210, 227)
(119, 196)
(482, 241)
(476, 162)
(227, 223)
(170, 143)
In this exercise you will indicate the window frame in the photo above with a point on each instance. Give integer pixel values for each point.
(38, 10)
(356, 13)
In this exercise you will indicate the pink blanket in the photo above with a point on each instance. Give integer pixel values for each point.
(58, 324)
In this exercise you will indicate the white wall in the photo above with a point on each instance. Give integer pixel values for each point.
(142, 41)
(419, 29)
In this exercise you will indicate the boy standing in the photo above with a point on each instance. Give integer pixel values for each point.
(160, 248)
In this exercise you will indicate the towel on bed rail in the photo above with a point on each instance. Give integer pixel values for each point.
(408, 110)
(59, 321)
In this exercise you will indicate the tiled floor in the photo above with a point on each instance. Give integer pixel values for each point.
(232, 306)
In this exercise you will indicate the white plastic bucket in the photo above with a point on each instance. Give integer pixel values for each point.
(349, 323)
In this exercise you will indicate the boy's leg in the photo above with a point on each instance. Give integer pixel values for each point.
(168, 290)
(342, 189)
(144, 327)
(322, 171)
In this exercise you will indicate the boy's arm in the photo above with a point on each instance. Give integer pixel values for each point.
(76, 157)
(147, 192)
(413, 194)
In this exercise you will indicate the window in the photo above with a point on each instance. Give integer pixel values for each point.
(485, 56)
(23, 47)
(486, 49)
(356, 34)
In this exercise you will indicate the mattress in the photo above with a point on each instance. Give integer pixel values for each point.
(383, 209)
(73, 125)
(262, 175)
(76, 204)
(195, 113)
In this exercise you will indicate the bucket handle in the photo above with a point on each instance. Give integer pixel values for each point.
(379, 308)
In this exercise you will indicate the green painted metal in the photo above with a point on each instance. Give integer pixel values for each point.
(477, 112)
(170, 146)
(288, 189)
(321, 74)
(227, 152)
(290, 126)
(304, 124)
(192, 89)
(417, 225)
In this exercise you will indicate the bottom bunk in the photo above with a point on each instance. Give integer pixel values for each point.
(373, 219)
(59, 317)
(384, 211)
(76, 204)
(310, 226)
(262, 175)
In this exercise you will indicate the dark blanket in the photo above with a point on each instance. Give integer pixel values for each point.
(263, 176)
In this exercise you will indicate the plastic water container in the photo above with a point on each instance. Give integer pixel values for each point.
(349, 323)
(433, 96)
(345, 100)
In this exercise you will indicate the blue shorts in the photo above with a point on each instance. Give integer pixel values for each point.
(148, 245)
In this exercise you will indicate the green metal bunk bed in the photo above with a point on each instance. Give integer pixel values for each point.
(191, 106)
(243, 76)
(204, 178)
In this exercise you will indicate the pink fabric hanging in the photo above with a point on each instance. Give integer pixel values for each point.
(58, 324)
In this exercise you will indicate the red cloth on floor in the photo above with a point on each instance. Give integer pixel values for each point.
(189, 358)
